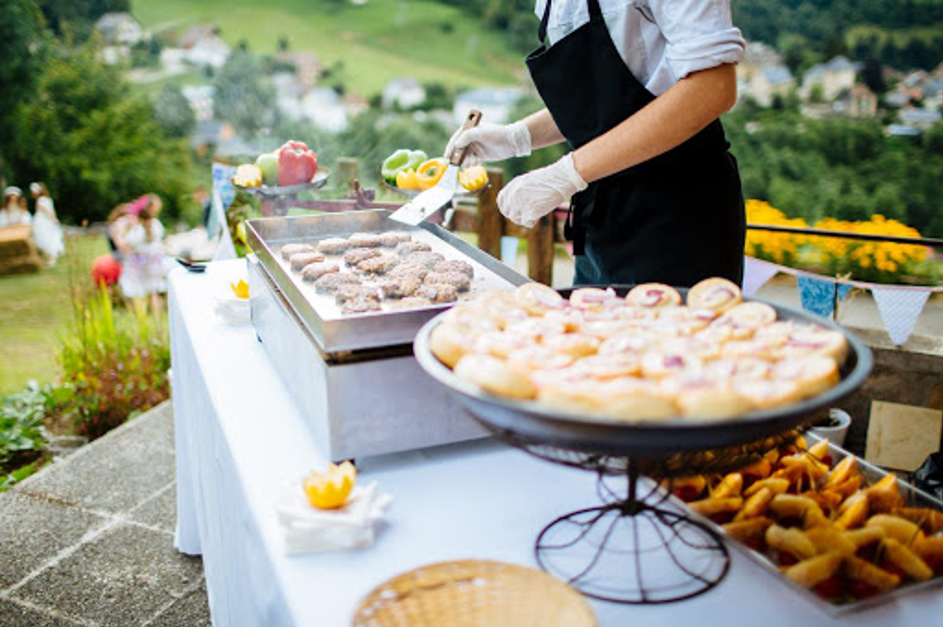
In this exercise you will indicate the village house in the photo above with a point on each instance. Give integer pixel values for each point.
(762, 76)
(495, 103)
(403, 92)
(118, 32)
(828, 80)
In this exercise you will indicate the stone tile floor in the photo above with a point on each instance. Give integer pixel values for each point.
(89, 539)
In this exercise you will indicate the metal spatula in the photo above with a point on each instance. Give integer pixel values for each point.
(434, 198)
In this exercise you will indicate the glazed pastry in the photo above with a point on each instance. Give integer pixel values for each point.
(292, 249)
(575, 396)
(455, 265)
(573, 344)
(632, 400)
(330, 282)
(746, 367)
(812, 374)
(537, 298)
(716, 294)
(314, 271)
(354, 256)
(300, 260)
(500, 307)
(500, 344)
(535, 328)
(537, 357)
(633, 343)
(594, 298)
(744, 319)
(812, 340)
(767, 393)
(449, 343)
(657, 364)
(710, 400)
(494, 376)
(364, 240)
(653, 295)
(392, 239)
(333, 245)
(609, 366)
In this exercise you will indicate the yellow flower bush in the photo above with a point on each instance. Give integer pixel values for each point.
(882, 262)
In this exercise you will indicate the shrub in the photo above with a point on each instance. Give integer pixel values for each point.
(21, 438)
(114, 366)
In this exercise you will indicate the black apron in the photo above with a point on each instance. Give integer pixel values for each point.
(677, 218)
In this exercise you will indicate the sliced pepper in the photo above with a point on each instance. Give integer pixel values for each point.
(430, 172)
(406, 179)
(330, 489)
(473, 178)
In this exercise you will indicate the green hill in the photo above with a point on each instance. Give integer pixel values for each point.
(369, 43)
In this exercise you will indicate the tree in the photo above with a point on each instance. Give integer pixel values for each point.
(23, 47)
(78, 17)
(244, 97)
(92, 143)
(173, 112)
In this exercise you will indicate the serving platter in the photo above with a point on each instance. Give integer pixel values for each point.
(537, 423)
(274, 191)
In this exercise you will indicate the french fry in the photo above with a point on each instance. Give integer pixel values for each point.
(843, 471)
(826, 539)
(863, 536)
(791, 540)
(746, 531)
(793, 506)
(805, 466)
(828, 501)
(810, 572)
(777, 486)
(906, 560)
(853, 511)
(730, 485)
(895, 527)
(931, 521)
(687, 488)
(756, 505)
(712, 507)
(863, 570)
(845, 488)
(884, 495)
(930, 551)
(760, 468)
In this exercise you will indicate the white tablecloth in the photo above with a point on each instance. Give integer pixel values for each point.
(240, 439)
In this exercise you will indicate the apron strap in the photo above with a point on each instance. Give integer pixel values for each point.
(594, 13)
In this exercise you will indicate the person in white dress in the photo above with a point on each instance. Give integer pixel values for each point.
(141, 242)
(47, 232)
(14, 211)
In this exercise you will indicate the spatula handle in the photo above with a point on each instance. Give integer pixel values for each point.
(471, 121)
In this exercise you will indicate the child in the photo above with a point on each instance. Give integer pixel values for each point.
(47, 232)
(14, 211)
(140, 243)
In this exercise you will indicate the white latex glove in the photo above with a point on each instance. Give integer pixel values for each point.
(531, 196)
(490, 142)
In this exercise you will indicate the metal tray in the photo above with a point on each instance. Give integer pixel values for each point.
(913, 497)
(536, 423)
(335, 333)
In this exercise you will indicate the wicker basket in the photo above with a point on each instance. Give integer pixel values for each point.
(473, 593)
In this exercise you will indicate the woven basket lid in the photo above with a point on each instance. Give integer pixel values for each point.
(474, 593)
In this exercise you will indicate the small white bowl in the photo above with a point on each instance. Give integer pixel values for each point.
(834, 434)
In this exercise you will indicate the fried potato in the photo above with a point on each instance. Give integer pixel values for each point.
(931, 521)
(906, 560)
(826, 539)
(730, 485)
(791, 540)
(845, 488)
(895, 527)
(793, 506)
(884, 495)
(813, 571)
(756, 505)
(713, 507)
(853, 511)
(930, 551)
(843, 471)
(819, 450)
(777, 486)
(747, 531)
(864, 536)
(862, 570)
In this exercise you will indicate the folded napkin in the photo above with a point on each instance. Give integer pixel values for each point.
(307, 529)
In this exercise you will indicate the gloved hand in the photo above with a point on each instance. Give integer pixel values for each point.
(490, 142)
(529, 197)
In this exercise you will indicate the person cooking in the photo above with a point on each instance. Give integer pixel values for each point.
(636, 88)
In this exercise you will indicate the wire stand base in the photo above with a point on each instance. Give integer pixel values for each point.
(629, 551)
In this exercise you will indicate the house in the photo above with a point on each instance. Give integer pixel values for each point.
(288, 94)
(119, 29)
(495, 103)
(403, 93)
(922, 119)
(832, 78)
(200, 98)
(324, 108)
(210, 51)
(307, 66)
(933, 93)
(762, 75)
(197, 33)
(860, 102)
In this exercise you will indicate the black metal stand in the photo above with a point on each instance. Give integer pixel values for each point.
(630, 550)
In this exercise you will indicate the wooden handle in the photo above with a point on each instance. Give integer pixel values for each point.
(471, 121)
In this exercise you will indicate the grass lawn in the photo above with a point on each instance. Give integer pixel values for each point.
(36, 308)
(375, 42)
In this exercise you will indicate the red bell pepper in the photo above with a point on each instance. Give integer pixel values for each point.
(296, 163)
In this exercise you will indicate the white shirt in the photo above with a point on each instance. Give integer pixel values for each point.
(661, 41)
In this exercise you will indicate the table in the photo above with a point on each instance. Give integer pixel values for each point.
(240, 439)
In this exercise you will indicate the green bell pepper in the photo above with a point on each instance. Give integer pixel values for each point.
(400, 160)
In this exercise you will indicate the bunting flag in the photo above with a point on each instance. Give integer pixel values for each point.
(224, 192)
(900, 310)
(818, 295)
(756, 273)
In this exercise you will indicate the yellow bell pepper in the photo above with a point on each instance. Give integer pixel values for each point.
(473, 178)
(330, 489)
(406, 179)
(430, 172)
(248, 176)
(240, 289)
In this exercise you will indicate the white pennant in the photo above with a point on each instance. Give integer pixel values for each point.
(755, 274)
(900, 310)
